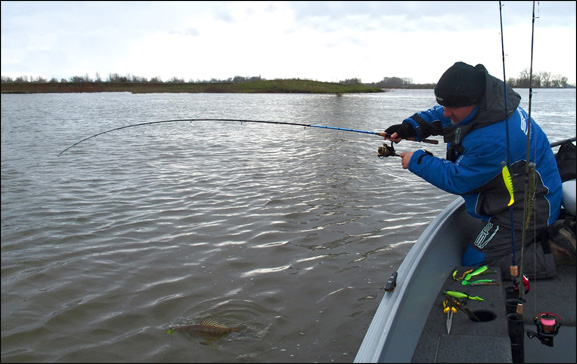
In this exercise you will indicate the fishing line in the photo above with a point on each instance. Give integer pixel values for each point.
(529, 167)
(514, 269)
(431, 141)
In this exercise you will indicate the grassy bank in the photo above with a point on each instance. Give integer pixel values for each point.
(265, 86)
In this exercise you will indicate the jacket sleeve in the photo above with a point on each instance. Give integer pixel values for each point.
(429, 122)
(469, 172)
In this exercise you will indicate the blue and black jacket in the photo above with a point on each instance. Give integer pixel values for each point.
(476, 148)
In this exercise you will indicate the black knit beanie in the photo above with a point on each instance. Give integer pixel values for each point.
(461, 85)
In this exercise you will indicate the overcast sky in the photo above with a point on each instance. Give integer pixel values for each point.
(323, 41)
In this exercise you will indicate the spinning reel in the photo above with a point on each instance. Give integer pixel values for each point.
(547, 327)
(386, 151)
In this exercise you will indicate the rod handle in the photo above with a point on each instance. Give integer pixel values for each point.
(430, 141)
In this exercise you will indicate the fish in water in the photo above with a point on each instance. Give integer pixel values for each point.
(207, 326)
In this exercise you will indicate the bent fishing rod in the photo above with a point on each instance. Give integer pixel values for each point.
(384, 151)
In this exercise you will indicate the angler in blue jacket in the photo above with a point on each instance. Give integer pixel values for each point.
(472, 117)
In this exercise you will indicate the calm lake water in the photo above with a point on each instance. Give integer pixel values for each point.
(289, 232)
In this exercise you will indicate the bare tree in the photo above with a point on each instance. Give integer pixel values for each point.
(545, 79)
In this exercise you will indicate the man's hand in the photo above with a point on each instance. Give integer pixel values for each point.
(393, 137)
(406, 158)
(396, 133)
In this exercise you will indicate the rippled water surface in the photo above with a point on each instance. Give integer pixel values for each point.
(289, 232)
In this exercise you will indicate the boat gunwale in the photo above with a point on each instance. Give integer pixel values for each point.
(377, 339)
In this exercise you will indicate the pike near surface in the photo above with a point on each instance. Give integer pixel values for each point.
(207, 326)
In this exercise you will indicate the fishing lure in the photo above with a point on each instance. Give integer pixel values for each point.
(461, 295)
(531, 195)
(508, 183)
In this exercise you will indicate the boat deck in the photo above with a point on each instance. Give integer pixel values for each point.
(489, 341)
(471, 338)
(557, 296)
(409, 325)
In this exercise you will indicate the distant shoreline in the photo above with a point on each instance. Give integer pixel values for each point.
(264, 86)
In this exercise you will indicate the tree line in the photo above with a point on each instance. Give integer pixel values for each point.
(540, 80)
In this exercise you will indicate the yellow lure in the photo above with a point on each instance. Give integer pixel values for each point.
(509, 183)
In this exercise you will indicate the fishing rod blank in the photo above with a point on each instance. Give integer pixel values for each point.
(555, 144)
(432, 141)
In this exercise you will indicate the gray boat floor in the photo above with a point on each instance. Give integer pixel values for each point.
(557, 296)
(488, 341)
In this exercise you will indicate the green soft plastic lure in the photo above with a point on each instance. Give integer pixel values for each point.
(482, 282)
(508, 183)
(461, 295)
(476, 272)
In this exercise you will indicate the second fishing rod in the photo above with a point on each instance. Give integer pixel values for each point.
(383, 151)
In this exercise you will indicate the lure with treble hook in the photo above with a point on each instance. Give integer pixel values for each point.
(432, 141)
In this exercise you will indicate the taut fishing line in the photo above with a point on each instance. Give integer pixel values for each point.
(432, 141)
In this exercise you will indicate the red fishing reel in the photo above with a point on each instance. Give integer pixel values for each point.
(548, 325)
(526, 285)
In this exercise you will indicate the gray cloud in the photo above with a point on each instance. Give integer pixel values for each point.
(338, 40)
